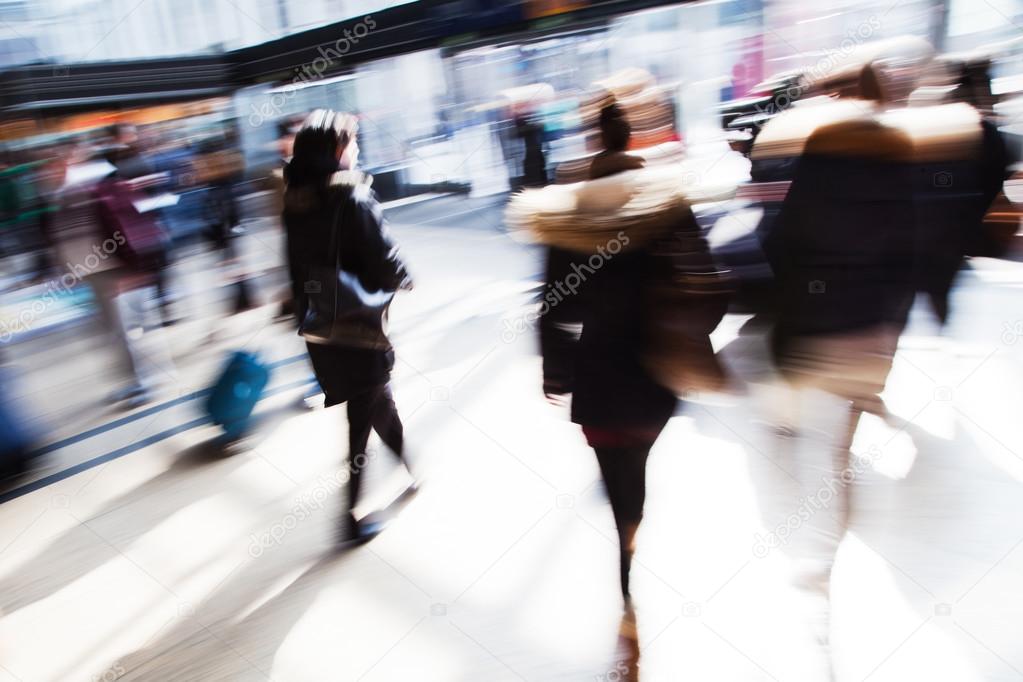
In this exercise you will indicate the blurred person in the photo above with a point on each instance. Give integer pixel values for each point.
(885, 202)
(219, 165)
(842, 251)
(127, 152)
(25, 211)
(963, 165)
(534, 162)
(131, 250)
(103, 240)
(593, 335)
(89, 235)
(329, 203)
(134, 155)
(650, 112)
(284, 145)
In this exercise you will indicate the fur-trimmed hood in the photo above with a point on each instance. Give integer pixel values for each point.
(643, 204)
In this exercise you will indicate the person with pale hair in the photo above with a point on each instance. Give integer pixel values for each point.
(335, 229)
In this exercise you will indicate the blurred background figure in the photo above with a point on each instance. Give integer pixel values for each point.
(869, 221)
(534, 163)
(219, 165)
(138, 250)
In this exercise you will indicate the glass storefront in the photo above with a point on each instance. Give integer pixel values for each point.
(462, 114)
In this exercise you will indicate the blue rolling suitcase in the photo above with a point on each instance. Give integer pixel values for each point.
(234, 396)
(16, 439)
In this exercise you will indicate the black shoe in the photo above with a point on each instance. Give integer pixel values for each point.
(355, 533)
(372, 525)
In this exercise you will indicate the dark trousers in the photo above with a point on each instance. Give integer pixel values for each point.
(624, 473)
(369, 411)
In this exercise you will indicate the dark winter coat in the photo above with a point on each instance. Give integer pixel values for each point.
(366, 250)
(593, 329)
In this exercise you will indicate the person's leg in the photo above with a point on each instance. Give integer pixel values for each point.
(163, 296)
(105, 290)
(387, 423)
(624, 473)
(360, 424)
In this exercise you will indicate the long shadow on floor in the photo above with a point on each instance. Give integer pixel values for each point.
(195, 474)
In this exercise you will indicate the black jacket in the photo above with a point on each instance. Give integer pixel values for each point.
(610, 387)
(842, 249)
(310, 215)
(592, 340)
(366, 249)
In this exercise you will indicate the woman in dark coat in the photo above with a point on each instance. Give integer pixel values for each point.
(325, 193)
(621, 408)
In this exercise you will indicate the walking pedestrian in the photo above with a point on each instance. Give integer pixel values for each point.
(335, 223)
(604, 253)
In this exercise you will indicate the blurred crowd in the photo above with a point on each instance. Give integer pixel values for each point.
(876, 179)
